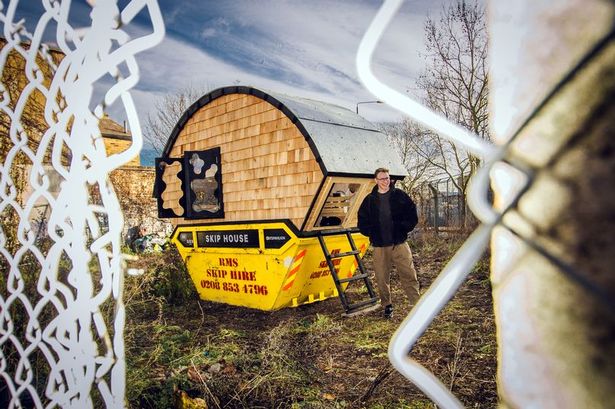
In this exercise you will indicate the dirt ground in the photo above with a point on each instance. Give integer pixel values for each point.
(185, 352)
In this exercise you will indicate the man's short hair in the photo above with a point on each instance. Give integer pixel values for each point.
(380, 170)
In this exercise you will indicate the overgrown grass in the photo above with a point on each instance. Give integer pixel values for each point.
(205, 356)
(180, 349)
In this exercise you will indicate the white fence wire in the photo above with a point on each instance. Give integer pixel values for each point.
(61, 309)
(513, 178)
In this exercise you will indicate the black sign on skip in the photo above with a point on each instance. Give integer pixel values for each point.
(186, 239)
(228, 238)
(275, 238)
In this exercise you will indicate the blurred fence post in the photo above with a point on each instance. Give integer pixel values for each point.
(436, 206)
(552, 264)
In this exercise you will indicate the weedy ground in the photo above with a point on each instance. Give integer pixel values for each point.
(185, 352)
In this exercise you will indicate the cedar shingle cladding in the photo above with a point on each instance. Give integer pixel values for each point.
(268, 169)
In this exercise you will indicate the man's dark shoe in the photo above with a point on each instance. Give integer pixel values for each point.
(388, 311)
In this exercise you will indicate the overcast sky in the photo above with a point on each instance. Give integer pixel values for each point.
(302, 48)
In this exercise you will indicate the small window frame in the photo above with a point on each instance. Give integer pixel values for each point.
(322, 207)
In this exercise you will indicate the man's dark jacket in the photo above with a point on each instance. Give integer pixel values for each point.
(403, 213)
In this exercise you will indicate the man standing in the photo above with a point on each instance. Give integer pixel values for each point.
(386, 216)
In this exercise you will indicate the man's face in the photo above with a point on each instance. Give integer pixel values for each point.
(383, 181)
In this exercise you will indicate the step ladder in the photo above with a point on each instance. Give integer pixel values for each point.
(350, 308)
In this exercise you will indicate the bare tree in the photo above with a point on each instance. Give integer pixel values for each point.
(168, 110)
(454, 81)
(455, 84)
(455, 78)
(415, 150)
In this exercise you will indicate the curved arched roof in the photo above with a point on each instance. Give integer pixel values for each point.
(343, 142)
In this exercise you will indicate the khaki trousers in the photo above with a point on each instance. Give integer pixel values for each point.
(400, 256)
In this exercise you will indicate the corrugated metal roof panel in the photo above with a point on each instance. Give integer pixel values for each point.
(353, 150)
(345, 141)
(304, 108)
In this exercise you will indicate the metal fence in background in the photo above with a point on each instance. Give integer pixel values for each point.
(441, 205)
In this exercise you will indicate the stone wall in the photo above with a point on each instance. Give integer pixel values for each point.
(134, 186)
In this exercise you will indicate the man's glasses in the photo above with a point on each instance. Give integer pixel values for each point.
(386, 178)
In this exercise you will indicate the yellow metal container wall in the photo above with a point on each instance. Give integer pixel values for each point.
(262, 265)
